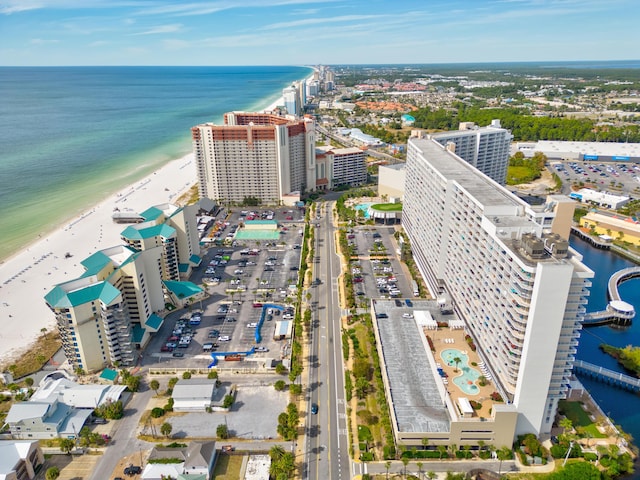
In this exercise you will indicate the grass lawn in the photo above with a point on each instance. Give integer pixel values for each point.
(517, 175)
(580, 418)
(387, 207)
(227, 467)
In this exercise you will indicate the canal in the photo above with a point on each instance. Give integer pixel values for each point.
(622, 406)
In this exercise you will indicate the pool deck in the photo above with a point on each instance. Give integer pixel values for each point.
(439, 338)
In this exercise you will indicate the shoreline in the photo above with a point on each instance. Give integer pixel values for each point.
(30, 273)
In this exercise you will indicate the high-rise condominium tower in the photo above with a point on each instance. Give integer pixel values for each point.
(518, 287)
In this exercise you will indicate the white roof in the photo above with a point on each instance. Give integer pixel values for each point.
(10, 454)
(25, 410)
(155, 471)
(76, 395)
(193, 389)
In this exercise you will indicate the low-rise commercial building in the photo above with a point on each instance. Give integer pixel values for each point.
(20, 460)
(613, 226)
(603, 199)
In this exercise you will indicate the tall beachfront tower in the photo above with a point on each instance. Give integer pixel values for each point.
(108, 312)
(292, 101)
(254, 155)
(337, 167)
(518, 287)
(486, 148)
(175, 230)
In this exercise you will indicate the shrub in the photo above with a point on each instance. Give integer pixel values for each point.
(186, 375)
(366, 456)
(280, 385)
(157, 412)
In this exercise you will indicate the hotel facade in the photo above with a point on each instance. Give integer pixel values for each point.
(486, 148)
(518, 287)
(254, 155)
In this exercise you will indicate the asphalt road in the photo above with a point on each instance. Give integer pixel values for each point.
(327, 449)
(124, 439)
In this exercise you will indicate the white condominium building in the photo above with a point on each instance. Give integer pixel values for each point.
(486, 148)
(336, 167)
(519, 288)
(254, 155)
(110, 310)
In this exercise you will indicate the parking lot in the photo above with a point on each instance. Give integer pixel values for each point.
(376, 276)
(243, 279)
(617, 177)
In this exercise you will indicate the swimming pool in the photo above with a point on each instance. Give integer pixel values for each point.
(466, 380)
(365, 208)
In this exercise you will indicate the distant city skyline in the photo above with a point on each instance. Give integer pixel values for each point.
(297, 32)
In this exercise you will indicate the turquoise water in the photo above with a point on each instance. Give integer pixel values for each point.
(365, 208)
(71, 136)
(467, 377)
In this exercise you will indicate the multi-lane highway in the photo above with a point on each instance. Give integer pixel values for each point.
(327, 448)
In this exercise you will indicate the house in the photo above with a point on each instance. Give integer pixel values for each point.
(19, 460)
(194, 462)
(58, 408)
(41, 420)
(193, 395)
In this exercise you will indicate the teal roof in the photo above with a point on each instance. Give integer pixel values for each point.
(94, 263)
(134, 232)
(182, 289)
(261, 222)
(195, 260)
(183, 267)
(154, 321)
(407, 118)
(138, 333)
(103, 291)
(151, 213)
(109, 374)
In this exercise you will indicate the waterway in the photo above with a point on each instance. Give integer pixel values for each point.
(622, 406)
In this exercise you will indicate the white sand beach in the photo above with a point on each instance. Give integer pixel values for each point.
(27, 276)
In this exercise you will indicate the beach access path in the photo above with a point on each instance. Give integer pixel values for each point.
(30, 274)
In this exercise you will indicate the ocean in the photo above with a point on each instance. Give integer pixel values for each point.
(622, 406)
(71, 136)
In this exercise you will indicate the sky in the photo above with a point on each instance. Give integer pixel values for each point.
(309, 32)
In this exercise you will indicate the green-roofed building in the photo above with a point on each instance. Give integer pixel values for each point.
(172, 228)
(182, 293)
(102, 315)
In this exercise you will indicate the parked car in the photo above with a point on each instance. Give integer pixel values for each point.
(178, 354)
(132, 470)
(262, 349)
(314, 408)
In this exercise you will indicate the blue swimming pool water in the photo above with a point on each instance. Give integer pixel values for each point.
(466, 380)
(365, 208)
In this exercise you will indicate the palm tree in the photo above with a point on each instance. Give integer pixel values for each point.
(425, 442)
(431, 475)
(442, 450)
(154, 385)
(419, 465)
(503, 454)
(387, 466)
(166, 429)
(457, 361)
(405, 462)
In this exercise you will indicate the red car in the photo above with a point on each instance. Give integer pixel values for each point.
(289, 217)
(164, 348)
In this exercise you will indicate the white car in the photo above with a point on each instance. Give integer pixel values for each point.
(407, 315)
(224, 338)
(252, 325)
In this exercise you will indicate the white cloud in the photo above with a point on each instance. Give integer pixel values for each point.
(160, 29)
(42, 41)
(207, 7)
(98, 43)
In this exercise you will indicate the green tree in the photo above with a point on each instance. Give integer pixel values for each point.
(280, 385)
(228, 401)
(154, 385)
(405, 462)
(442, 450)
(213, 374)
(165, 429)
(132, 382)
(28, 382)
(186, 375)
(222, 431)
(387, 466)
(280, 369)
(503, 454)
(67, 444)
(457, 361)
(362, 387)
(52, 473)
(173, 381)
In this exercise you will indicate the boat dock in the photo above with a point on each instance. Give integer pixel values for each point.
(618, 311)
(607, 376)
